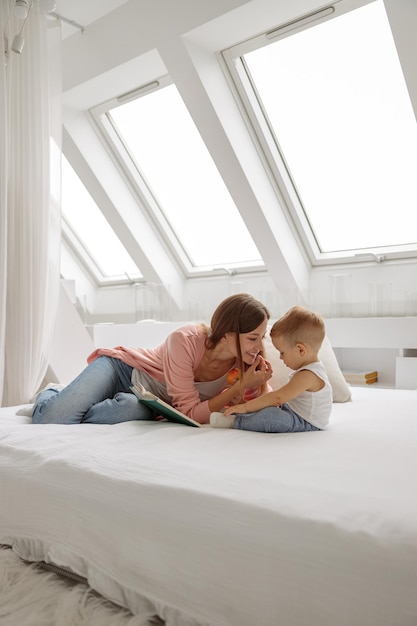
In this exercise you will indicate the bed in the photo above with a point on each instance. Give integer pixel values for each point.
(223, 527)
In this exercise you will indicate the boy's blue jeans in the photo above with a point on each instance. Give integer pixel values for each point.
(99, 395)
(273, 419)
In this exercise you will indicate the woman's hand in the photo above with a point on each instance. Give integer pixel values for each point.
(258, 373)
(255, 376)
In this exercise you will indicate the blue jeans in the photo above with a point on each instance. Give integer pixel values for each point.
(99, 395)
(273, 419)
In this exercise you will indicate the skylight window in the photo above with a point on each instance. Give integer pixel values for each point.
(109, 258)
(332, 111)
(184, 188)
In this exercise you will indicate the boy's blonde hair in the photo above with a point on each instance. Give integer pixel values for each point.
(300, 325)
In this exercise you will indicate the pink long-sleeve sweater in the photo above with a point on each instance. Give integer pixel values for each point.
(173, 362)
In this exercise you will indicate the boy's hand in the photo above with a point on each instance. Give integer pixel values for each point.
(238, 408)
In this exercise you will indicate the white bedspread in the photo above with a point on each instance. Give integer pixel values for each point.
(222, 527)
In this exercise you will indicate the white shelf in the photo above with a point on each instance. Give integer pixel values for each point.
(373, 332)
(386, 344)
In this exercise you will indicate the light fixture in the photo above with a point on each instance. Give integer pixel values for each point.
(21, 9)
(18, 43)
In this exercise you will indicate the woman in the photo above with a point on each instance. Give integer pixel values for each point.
(188, 371)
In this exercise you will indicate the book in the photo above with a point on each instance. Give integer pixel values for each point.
(161, 407)
(360, 376)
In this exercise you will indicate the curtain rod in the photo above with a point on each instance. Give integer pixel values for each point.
(66, 20)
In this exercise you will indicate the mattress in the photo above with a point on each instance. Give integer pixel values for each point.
(223, 527)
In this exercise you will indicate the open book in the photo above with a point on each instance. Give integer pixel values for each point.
(161, 407)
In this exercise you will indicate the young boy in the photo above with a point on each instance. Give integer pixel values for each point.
(304, 403)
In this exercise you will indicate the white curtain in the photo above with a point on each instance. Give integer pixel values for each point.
(30, 124)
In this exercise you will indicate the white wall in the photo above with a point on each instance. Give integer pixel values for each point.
(366, 289)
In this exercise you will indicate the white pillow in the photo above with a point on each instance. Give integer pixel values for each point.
(341, 390)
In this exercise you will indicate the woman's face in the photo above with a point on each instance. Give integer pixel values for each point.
(250, 343)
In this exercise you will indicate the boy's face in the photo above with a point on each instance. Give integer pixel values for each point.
(291, 354)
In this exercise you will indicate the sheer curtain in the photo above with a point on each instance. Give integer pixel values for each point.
(30, 112)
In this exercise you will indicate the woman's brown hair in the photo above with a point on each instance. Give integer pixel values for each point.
(240, 313)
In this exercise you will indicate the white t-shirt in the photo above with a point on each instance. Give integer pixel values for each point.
(314, 406)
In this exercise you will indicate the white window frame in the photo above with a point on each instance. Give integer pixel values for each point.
(83, 256)
(73, 240)
(269, 151)
(143, 193)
